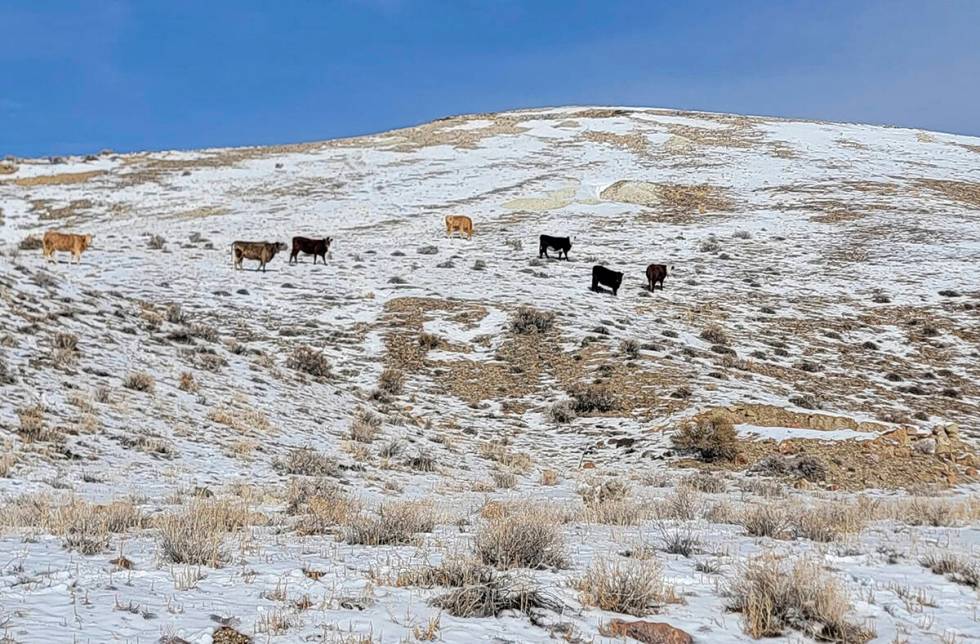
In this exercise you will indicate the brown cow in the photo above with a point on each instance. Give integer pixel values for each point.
(74, 244)
(307, 246)
(263, 252)
(656, 273)
(459, 223)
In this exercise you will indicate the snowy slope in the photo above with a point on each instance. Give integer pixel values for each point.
(839, 261)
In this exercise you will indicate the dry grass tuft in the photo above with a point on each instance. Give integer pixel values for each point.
(187, 382)
(633, 587)
(521, 540)
(829, 521)
(452, 572)
(7, 462)
(396, 523)
(32, 427)
(498, 451)
(194, 536)
(84, 527)
(365, 426)
(712, 438)
(937, 512)
(140, 381)
(773, 597)
(767, 520)
(958, 569)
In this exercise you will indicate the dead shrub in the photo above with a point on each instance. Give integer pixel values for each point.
(594, 398)
(562, 412)
(521, 540)
(422, 461)
(391, 382)
(175, 314)
(308, 462)
(608, 503)
(429, 341)
(31, 242)
(712, 438)
(630, 349)
(493, 596)
(8, 375)
(503, 480)
(549, 477)
(365, 426)
(140, 381)
(309, 361)
(156, 242)
(773, 597)
(715, 335)
(629, 586)
(396, 523)
(530, 320)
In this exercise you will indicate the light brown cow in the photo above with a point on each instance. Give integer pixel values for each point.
(459, 223)
(262, 252)
(70, 242)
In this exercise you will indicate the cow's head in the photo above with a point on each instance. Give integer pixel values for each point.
(618, 279)
(280, 246)
(327, 241)
(86, 241)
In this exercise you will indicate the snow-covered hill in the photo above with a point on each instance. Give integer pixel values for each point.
(823, 294)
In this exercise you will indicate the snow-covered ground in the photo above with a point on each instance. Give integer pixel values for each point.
(818, 270)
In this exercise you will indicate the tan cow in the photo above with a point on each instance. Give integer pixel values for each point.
(262, 252)
(70, 242)
(459, 223)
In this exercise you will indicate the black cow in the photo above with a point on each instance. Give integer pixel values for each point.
(656, 273)
(561, 244)
(307, 246)
(605, 277)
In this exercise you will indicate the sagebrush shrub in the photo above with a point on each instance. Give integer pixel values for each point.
(712, 438)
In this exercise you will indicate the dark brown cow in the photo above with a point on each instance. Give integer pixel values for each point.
(656, 273)
(262, 252)
(307, 246)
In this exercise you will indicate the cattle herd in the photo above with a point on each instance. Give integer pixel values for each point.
(263, 252)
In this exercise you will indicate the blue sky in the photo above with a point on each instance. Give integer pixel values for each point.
(80, 76)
